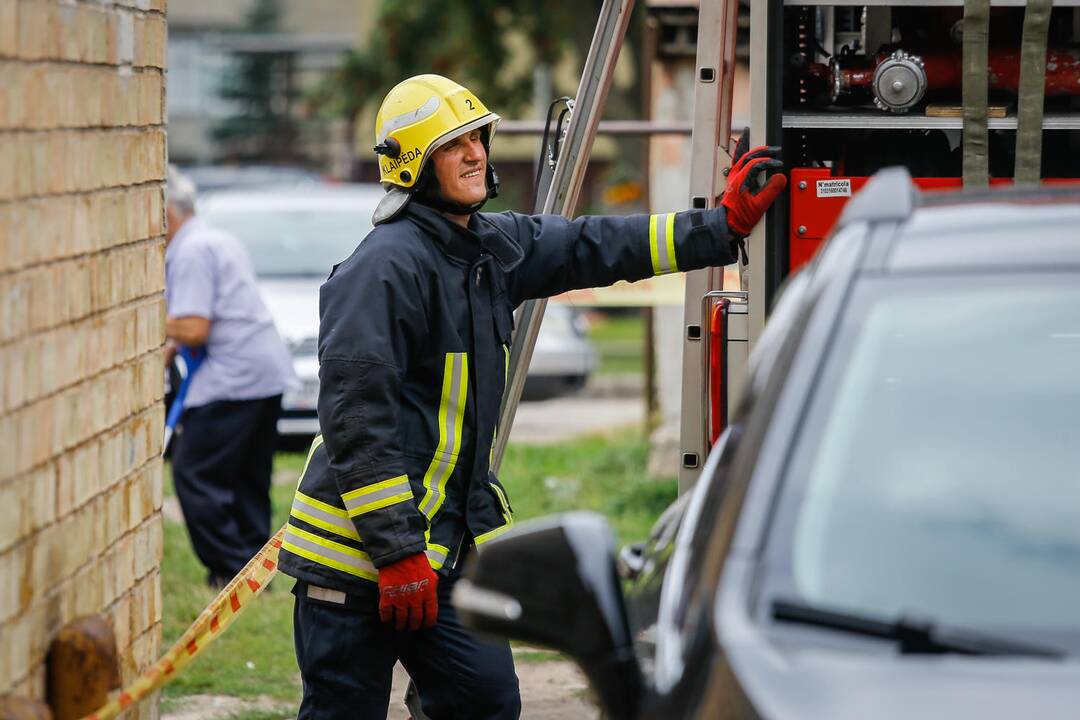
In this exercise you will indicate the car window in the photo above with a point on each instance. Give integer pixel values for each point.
(936, 472)
(285, 243)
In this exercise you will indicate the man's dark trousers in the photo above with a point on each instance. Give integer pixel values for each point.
(347, 654)
(221, 468)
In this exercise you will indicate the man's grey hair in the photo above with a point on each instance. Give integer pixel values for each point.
(180, 191)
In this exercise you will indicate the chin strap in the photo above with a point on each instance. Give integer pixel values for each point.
(429, 193)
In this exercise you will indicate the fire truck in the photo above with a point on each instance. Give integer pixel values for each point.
(963, 93)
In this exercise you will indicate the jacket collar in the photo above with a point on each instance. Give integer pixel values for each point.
(466, 243)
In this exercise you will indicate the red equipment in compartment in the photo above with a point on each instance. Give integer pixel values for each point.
(944, 71)
(817, 198)
(717, 363)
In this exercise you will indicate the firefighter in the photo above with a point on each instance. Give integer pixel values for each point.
(414, 342)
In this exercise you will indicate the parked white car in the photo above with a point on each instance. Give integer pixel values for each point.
(295, 235)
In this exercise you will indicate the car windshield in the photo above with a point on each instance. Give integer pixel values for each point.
(295, 242)
(937, 470)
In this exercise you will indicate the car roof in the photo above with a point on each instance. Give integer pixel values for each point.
(346, 196)
(1004, 227)
(212, 178)
(1009, 232)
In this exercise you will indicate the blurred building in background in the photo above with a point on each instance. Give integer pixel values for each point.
(221, 54)
(270, 82)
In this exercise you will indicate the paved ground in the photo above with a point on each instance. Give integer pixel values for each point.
(552, 421)
(550, 690)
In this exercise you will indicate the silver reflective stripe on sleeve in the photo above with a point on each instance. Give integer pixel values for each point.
(323, 515)
(377, 495)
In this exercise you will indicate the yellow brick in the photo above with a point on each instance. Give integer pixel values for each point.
(77, 477)
(49, 555)
(145, 561)
(125, 564)
(11, 249)
(37, 31)
(150, 41)
(35, 434)
(144, 609)
(15, 591)
(27, 504)
(8, 445)
(9, 42)
(13, 97)
(18, 646)
(144, 650)
(62, 95)
(33, 685)
(115, 514)
(8, 161)
(81, 160)
(90, 588)
(121, 620)
(11, 654)
(151, 99)
(15, 292)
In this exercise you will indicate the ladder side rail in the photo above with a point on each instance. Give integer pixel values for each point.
(713, 90)
(562, 195)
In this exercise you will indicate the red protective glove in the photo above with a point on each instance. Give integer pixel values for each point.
(745, 204)
(407, 593)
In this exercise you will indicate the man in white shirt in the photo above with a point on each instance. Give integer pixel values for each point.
(222, 460)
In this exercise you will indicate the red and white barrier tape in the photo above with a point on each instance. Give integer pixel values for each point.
(218, 615)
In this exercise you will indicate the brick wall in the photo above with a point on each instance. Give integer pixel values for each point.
(82, 167)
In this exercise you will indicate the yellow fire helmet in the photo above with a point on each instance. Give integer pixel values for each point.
(416, 117)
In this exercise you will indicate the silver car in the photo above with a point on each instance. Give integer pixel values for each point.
(295, 235)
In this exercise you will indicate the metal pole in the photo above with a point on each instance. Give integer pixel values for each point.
(563, 192)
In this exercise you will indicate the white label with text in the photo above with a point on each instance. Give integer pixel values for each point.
(834, 188)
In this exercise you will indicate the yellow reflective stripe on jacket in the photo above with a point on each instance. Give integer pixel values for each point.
(323, 515)
(507, 515)
(329, 553)
(490, 534)
(662, 243)
(436, 555)
(451, 415)
(315, 444)
(377, 495)
(335, 520)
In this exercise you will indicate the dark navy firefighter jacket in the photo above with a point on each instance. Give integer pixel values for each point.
(414, 342)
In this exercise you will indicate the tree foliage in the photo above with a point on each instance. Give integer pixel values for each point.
(258, 88)
(463, 39)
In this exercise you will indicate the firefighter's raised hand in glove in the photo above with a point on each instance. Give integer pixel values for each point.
(744, 200)
(407, 593)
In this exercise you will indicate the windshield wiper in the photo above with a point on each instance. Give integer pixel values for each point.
(914, 636)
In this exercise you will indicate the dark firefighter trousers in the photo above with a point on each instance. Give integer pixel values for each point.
(347, 655)
(221, 467)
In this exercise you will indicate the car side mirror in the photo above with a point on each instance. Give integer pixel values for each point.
(553, 582)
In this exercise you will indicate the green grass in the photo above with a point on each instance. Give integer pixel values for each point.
(601, 474)
(620, 340)
(261, 637)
